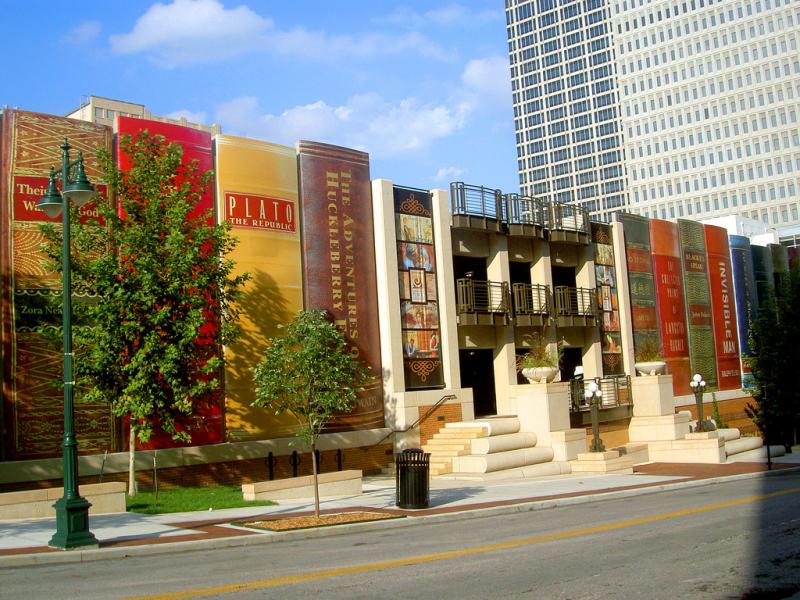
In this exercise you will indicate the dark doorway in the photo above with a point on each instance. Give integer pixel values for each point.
(564, 276)
(570, 358)
(477, 372)
(520, 272)
(469, 266)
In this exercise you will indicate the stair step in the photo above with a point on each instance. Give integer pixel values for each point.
(503, 443)
(546, 469)
(742, 444)
(729, 434)
(497, 461)
(436, 445)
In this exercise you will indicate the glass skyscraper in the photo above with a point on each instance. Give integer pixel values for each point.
(665, 108)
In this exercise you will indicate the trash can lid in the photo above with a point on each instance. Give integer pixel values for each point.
(413, 450)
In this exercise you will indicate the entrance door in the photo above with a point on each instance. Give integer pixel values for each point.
(570, 358)
(477, 372)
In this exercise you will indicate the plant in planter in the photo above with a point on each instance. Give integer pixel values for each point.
(648, 357)
(539, 364)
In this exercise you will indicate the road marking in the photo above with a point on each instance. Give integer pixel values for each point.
(426, 558)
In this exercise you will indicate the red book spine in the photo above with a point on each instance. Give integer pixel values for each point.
(207, 427)
(339, 271)
(665, 247)
(723, 308)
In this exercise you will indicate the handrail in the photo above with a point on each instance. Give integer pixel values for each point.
(424, 417)
(575, 301)
(616, 392)
(525, 210)
(477, 200)
(482, 296)
(531, 299)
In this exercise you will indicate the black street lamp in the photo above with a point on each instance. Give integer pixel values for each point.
(593, 394)
(72, 511)
(698, 386)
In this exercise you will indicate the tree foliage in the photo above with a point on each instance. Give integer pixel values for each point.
(775, 346)
(310, 373)
(165, 293)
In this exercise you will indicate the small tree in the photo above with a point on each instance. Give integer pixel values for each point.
(311, 373)
(151, 343)
(774, 360)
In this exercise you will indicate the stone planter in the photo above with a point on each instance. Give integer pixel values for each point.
(651, 367)
(540, 374)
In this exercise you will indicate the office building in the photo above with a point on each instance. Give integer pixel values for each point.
(666, 109)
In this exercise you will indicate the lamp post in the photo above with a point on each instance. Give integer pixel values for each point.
(72, 511)
(593, 394)
(698, 386)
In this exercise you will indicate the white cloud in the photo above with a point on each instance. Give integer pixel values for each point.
(188, 32)
(192, 31)
(189, 115)
(318, 46)
(448, 174)
(488, 79)
(449, 15)
(366, 122)
(83, 33)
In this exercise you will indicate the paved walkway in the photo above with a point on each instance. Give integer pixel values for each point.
(25, 541)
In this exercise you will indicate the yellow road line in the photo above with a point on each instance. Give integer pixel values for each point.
(426, 558)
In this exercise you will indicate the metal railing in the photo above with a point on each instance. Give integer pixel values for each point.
(575, 302)
(569, 217)
(419, 421)
(526, 210)
(531, 299)
(482, 296)
(616, 392)
(476, 200)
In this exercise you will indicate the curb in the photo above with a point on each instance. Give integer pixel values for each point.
(81, 556)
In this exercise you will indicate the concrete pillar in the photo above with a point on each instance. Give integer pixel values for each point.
(542, 274)
(505, 373)
(624, 296)
(586, 277)
(388, 299)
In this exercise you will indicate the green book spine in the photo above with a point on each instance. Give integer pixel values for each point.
(694, 262)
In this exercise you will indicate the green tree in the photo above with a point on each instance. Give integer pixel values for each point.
(775, 356)
(151, 344)
(310, 373)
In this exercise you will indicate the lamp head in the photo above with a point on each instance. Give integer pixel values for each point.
(587, 394)
(52, 202)
(693, 384)
(81, 190)
(702, 384)
(697, 378)
(592, 387)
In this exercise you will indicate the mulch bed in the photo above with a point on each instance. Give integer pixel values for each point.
(308, 521)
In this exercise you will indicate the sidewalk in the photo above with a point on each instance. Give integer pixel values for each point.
(25, 541)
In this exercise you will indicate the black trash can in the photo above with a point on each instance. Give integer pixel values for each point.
(413, 476)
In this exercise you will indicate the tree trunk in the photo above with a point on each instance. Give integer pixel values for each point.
(132, 461)
(316, 483)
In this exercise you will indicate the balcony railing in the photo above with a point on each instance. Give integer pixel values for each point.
(575, 307)
(569, 223)
(476, 207)
(483, 302)
(526, 216)
(532, 304)
(616, 395)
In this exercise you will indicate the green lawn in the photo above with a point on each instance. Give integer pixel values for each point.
(190, 499)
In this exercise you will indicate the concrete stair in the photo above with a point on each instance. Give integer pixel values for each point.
(610, 461)
(489, 448)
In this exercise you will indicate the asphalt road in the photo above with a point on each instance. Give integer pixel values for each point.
(731, 540)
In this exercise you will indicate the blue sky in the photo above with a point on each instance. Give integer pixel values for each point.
(422, 86)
